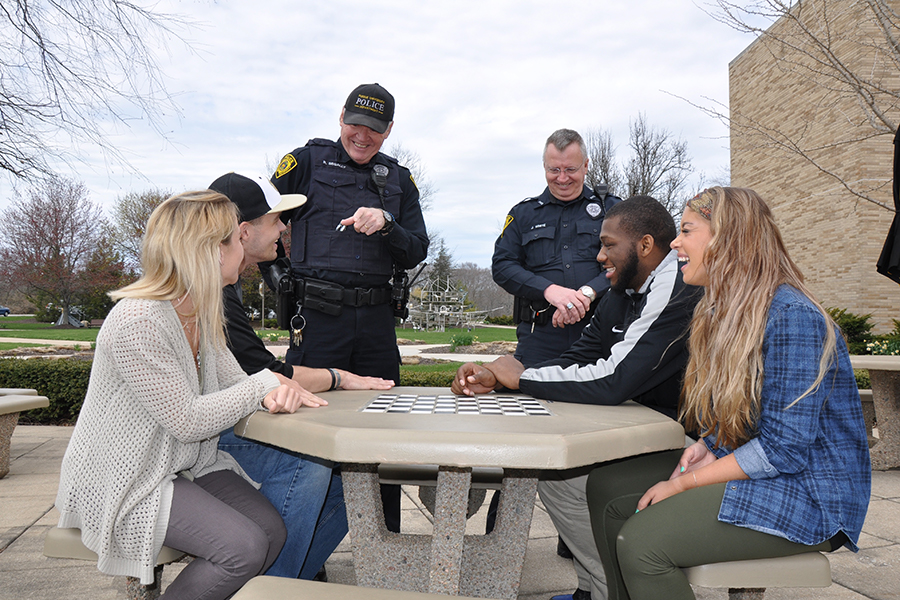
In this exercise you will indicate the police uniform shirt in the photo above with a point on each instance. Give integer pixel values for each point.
(546, 241)
(406, 244)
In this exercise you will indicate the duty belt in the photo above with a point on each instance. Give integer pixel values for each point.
(329, 297)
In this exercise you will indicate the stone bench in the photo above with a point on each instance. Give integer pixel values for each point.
(12, 402)
(267, 588)
(748, 579)
(66, 543)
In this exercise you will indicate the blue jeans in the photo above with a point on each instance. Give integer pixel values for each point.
(309, 496)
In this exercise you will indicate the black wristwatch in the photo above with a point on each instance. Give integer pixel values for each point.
(388, 223)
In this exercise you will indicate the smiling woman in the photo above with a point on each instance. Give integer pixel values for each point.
(782, 466)
(163, 386)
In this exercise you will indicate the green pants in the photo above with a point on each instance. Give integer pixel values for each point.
(643, 553)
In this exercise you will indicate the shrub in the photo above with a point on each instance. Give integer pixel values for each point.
(63, 381)
(461, 339)
(426, 378)
(501, 320)
(856, 328)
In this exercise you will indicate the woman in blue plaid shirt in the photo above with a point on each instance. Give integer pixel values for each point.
(782, 464)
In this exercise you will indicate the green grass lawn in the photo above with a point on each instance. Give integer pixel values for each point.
(14, 345)
(25, 327)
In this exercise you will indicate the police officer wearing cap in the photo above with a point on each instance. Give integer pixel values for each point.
(362, 219)
(546, 255)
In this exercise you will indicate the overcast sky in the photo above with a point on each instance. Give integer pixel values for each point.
(478, 87)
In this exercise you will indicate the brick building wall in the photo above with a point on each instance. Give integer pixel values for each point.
(833, 236)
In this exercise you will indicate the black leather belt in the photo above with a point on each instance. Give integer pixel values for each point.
(366, 296)
(315, 292)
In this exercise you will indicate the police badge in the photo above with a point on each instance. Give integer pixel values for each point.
(593, 209)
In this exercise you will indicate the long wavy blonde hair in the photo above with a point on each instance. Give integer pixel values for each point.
(180, 255)
(745, 262)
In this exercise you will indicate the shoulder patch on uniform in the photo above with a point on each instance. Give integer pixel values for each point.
(413, 180)
(509, 219)
(286, 165)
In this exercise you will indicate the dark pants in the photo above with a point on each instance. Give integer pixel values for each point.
(232, 530)
(361, 340)
(643, 553)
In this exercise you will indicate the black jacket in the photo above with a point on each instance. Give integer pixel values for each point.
(635, 347)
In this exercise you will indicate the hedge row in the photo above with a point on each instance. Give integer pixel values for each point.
(65, 383)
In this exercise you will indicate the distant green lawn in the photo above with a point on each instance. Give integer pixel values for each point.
(14, 345)
(78, 335)
(25, 327)
(18, 327)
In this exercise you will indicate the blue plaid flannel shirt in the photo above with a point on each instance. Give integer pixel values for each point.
(809, 469)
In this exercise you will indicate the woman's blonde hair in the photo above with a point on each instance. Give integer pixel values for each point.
(745, 262)
(180, 255)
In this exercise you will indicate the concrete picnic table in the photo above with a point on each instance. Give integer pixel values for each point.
(884, 372)
(450, 562)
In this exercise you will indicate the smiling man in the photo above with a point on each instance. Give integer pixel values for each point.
(545, 255)
(361, 228)
(633, 348)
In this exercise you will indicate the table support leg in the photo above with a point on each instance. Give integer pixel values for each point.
(492, 564)
(452, 498)
(885, 453)
(448, 562)
(381, 559)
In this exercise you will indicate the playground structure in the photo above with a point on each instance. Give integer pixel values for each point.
(441, 304)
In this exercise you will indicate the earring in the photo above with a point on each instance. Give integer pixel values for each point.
(221, 258)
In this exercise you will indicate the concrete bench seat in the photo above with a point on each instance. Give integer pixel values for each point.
(12, 402)
(483, 478)
(425, 476)
(66, 543)
(748, 579)
(266, 588)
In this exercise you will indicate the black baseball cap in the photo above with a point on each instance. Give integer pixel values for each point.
(370, 105)
(255, 195)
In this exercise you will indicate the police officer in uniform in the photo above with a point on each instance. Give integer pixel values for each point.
(362, 220)
(546, 255)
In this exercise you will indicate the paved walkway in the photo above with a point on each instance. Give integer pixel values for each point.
(26, 513)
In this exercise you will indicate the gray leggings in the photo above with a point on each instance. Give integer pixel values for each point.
(643, 553)
(231, 529)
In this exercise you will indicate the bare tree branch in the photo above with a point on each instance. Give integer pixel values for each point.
(602, 166)
(412, 161)
(854, 64)
(68, 69)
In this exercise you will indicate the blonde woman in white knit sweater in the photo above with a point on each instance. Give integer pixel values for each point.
(142, 468)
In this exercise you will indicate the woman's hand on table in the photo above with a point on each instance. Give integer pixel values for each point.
(473, 379)
(290, 396)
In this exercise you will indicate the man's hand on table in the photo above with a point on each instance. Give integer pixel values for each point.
(507, 371)
(351, 381)
(473, 379)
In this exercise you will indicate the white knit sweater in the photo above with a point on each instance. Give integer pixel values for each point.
(147, 416)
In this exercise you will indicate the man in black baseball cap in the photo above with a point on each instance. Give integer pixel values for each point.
(307, 492)
(361, 228)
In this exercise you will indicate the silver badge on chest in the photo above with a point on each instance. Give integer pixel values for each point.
(593, 209)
